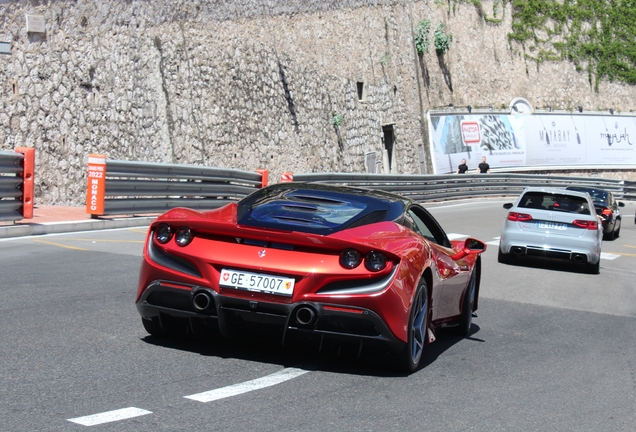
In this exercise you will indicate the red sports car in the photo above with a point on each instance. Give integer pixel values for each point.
(330, 261)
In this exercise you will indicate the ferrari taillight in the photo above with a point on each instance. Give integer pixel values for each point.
(590, 225)
(350, 258)
(163, 234)
(375, 261)
(519, 217)
(183, 237)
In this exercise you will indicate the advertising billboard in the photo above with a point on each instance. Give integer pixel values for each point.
(508, 140)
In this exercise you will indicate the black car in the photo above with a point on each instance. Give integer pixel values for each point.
(606, 207)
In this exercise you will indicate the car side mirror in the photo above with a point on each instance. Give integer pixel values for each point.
(621, 204)
(507, 206)
(471, 247)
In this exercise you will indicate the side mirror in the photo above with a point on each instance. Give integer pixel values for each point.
(471, 247)
(621, 204)
(507, 206)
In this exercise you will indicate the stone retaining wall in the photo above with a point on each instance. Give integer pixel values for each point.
(254, 84)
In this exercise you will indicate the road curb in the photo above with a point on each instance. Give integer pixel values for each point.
(24, 230)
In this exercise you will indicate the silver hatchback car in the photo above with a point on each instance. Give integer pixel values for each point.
(552, 223)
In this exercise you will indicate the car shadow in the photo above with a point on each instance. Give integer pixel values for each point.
(548, 264)
(331, 357)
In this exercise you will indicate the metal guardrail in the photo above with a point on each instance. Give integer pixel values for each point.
(133, 188)
(10, 186)
(458, 186)
(629, 190)
(16, 184)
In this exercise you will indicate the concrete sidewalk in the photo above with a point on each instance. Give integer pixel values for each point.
(61, 219)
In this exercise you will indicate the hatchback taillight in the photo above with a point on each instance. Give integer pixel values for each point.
(591, 225)
(519, 217)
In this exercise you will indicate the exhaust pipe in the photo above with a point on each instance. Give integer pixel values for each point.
(201, 301)
(517, 250)
(579, 258)
(305, 316)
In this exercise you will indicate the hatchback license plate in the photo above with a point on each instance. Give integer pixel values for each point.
(552, 225)
(256, 282)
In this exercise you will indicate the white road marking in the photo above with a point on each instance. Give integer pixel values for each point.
(609, 256)
(237, 389)
(455, 236)
(110, 416)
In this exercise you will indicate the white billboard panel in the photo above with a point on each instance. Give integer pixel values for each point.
(531, 140)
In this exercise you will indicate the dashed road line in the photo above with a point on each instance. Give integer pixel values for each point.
(208, 396)
(256, 384)
(110, 416)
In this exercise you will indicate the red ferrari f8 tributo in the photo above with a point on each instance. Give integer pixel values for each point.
(311, 259)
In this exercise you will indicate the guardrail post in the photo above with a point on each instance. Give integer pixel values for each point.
(95, 185)
(286, 177)
(28, 174)
(264, 176)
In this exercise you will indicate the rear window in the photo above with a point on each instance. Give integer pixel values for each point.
(556, 202)
(599, 196)
(313, 210)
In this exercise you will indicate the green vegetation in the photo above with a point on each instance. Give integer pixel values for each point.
(441, 39)
(596, 35)
(337, 120)
(422, 41)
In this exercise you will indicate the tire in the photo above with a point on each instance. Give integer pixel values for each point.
(594, 268)
(503, 257)
(466, 319)
(617, 233)
(411, 355)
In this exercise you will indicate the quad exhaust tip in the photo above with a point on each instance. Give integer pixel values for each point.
(305, 316)
(202, 301)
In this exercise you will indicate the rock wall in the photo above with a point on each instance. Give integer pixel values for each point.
(255, 84)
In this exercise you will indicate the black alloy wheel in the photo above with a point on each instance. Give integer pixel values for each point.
(466, 319)
(411, 354)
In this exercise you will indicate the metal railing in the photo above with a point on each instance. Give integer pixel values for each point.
(10, 186)
(16, 184)
(629, 190)
(133, 188)
(458, 186)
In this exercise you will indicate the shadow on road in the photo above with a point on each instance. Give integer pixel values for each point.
(548, 264)
(332, 356)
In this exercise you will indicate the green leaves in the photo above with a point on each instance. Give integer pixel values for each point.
(422, 41)
(596, 35)
(441, 39)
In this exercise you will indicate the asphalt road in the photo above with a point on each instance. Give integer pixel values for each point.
(552, 349)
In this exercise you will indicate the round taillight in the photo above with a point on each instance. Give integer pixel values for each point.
(350, 258)
(163, 234)
(183, 236)
(375, 261)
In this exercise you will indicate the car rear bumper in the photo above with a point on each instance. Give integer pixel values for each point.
(578, 249)
(165, 300)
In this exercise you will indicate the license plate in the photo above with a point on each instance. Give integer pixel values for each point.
(552, 225)
(256, 282)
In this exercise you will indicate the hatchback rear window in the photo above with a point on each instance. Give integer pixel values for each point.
(556, 202)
